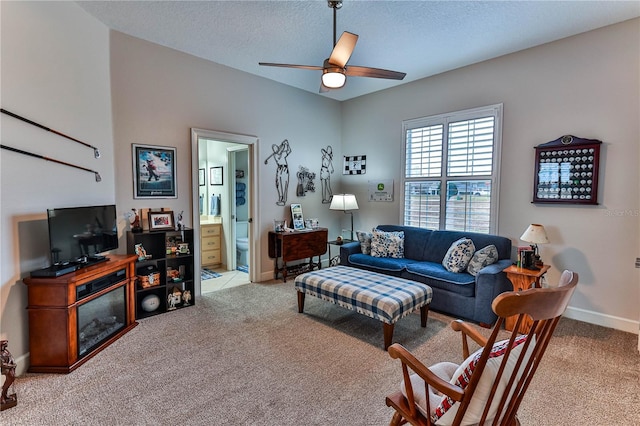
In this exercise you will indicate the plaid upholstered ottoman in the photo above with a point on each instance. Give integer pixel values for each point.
(378, 296)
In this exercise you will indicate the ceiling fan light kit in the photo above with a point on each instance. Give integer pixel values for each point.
(334, 69)
(333, 78)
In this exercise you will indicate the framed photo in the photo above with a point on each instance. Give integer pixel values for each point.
(154, 171)
(161, 221)
(201, 177)
(354, 165)
(296, 217)
(215, 175)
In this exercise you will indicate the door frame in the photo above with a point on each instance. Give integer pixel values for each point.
(253, 146)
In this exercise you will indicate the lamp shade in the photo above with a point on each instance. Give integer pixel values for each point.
(344, 202)
(535, 234)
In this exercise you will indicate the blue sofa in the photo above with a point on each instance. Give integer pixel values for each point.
(458, 294)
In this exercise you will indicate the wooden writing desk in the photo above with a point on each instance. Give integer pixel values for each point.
(289, 246)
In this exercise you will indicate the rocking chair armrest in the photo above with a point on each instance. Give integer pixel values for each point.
(469, 330)
(397, 351)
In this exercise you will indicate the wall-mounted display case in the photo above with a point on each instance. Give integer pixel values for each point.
(566, 171)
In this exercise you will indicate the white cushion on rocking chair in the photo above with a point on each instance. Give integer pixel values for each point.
(443, 409)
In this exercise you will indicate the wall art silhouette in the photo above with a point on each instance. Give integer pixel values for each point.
(325, 174)
(280, 154)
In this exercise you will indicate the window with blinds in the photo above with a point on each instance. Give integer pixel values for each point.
(459, 152)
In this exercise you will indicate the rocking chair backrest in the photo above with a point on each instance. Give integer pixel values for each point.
(545, 307)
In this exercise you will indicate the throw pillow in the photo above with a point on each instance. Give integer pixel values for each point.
(458, 255)
(365, 241)
(481, 258)
(444, 413)
(387, 244)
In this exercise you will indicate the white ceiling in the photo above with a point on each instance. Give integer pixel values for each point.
(420, 38)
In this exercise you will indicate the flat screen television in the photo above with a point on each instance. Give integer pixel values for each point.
(80, 234)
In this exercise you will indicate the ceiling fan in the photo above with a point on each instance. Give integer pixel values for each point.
(335, 69)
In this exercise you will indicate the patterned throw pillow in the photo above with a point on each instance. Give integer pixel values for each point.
(446, 411)
(387, 244)
(365, 241)
(458, 255)
(481, 258)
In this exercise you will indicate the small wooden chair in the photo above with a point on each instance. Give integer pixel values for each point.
(488, 387)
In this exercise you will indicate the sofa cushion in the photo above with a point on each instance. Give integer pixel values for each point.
(458, 255)
(381, 264)
(365, 241)
(387, 244)
(434, 275)
(481, 258)
(415, 239)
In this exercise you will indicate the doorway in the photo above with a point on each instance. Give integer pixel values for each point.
(223, 167)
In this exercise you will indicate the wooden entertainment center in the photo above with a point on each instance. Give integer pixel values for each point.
(74, 316)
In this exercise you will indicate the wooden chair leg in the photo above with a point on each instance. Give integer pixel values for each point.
(300, 302)
(424, 314)
(397, 420)
(387, 330)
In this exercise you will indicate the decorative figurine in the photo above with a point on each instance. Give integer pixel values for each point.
(174, 298)
(180, 223)
(186, 297)
(9, 370)
(134, 220)
(141, 252)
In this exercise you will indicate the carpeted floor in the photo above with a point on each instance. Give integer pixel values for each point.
(245, 356)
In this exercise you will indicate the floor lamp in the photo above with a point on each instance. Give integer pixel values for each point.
(346, 203)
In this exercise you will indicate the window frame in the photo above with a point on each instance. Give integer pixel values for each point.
(496, 111)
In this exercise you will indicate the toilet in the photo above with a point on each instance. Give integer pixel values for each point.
(242, 242)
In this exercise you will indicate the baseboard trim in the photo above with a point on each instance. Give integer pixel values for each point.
(604, 320)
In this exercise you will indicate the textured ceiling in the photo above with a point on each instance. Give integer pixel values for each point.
(420, 38)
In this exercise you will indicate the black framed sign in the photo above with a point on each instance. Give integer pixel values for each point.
(566, 171)
(215, 175)
(154, 171)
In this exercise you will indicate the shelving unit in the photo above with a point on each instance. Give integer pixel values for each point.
(175, 270)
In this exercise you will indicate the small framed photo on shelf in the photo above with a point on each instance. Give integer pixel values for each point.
(160, 221)
(296, 217)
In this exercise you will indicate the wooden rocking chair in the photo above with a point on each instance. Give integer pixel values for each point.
(488, 387)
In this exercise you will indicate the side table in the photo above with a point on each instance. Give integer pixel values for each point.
(523, 279)
(336, 243)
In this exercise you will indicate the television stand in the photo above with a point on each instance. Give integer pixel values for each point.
(75, 316)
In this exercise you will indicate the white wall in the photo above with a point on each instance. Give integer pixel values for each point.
(159, 94)
(55, 71)
(588, 86)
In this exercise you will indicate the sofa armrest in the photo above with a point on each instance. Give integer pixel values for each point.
(490, 282)
(347, 250)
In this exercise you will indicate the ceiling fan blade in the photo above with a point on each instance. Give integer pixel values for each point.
(304, 67)
(343, 49)
(356, 71)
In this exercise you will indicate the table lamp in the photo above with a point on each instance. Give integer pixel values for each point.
(345, 202)
(535, 234)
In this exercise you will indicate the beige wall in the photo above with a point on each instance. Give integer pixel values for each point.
(62, 67)
(55, 70)
(588, 86)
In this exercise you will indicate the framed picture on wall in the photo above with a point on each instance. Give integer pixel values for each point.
(215, 175)
(201, 177)
(154, 171)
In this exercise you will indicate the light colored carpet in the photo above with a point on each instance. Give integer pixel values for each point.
(245, 356)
